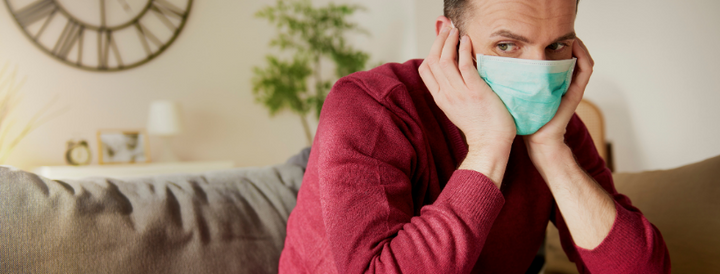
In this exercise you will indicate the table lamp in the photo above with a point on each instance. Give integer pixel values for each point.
(164, 121)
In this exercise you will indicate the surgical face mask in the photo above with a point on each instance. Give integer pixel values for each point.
(530, 89)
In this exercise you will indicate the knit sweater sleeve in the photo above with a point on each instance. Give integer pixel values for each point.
(365, 177)
(633, 245)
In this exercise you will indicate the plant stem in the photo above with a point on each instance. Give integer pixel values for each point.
(318, 80)
(306, 127)
(318, 91)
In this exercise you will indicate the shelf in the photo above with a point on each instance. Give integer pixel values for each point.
(120, 171)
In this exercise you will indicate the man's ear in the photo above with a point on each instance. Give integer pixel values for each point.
(442, 22)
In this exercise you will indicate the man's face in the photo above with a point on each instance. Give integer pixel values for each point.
(526, 29)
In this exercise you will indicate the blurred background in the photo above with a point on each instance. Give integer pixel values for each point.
(657, 81)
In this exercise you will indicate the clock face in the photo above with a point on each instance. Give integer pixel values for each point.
(80, 155)
(104, 35)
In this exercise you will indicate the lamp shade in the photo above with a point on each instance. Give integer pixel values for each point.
(164, 118)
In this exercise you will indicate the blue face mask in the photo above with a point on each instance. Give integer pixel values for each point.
(530, 89)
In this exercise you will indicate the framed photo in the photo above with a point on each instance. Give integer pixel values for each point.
(123, 147)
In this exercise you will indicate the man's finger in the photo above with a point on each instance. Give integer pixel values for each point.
(466, 64)
(439, 42)
(446, 71)
(449, 51)
(428, 78)
(584, 65)
(568, 105)
(586, 51)
(572, 98)
(431, 62)
(437, 47)
(425, 71)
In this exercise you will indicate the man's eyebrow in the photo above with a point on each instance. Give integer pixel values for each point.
(569, 36)
(508, 34)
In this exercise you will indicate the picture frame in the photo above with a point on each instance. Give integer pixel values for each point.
(118, 146)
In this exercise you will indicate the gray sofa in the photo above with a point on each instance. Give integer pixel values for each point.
(233, 221)
(230, 221)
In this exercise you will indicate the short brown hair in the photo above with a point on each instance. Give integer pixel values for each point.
(455, 10)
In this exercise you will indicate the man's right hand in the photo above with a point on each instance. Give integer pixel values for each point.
(469, 103)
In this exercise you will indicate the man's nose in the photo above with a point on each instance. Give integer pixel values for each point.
(535, 54)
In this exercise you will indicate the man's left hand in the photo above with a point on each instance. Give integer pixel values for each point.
(551, 137)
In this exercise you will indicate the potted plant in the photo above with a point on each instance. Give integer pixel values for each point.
(309, 35)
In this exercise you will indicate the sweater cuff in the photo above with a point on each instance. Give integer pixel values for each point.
(474, 193)
(622, 248)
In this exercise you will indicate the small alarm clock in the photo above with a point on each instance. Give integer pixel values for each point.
(78, 153)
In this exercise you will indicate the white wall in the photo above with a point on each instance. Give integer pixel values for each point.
(208, 70)
(656, 78)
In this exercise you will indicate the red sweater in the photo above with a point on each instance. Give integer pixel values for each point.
(382, 194)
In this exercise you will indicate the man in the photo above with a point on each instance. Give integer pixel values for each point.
(419, 168)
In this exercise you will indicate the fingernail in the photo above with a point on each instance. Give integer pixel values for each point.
(464, 39)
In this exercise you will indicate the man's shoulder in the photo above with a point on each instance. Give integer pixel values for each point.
(384, 80)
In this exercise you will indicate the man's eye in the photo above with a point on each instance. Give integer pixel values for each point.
(506, 46)
(556, 46)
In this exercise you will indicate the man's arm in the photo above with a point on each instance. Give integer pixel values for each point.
(451, 77)
(627, 242)
(368, 172)
(632, 244)
(367, 176)
(587, 208)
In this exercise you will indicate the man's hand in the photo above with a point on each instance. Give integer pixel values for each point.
(470, 104)
(551, 137)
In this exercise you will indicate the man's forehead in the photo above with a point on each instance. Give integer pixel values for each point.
(525, 17)
(540, 9)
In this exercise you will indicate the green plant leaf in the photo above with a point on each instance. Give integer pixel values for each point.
(282, 84)
(311, 35)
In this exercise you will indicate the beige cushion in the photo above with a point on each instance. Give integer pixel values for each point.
(683, 203)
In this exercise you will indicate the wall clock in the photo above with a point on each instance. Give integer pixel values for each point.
(101, 35)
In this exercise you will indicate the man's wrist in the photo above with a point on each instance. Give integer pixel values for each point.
(553, 161)
(488, 160)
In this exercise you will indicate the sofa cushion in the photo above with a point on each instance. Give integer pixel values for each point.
(230, 221)
(683, 203)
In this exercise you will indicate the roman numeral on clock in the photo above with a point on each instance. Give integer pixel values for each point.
(35, 12)
(163, 9)
(106, 44)
(146, 35)
(71, 35)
